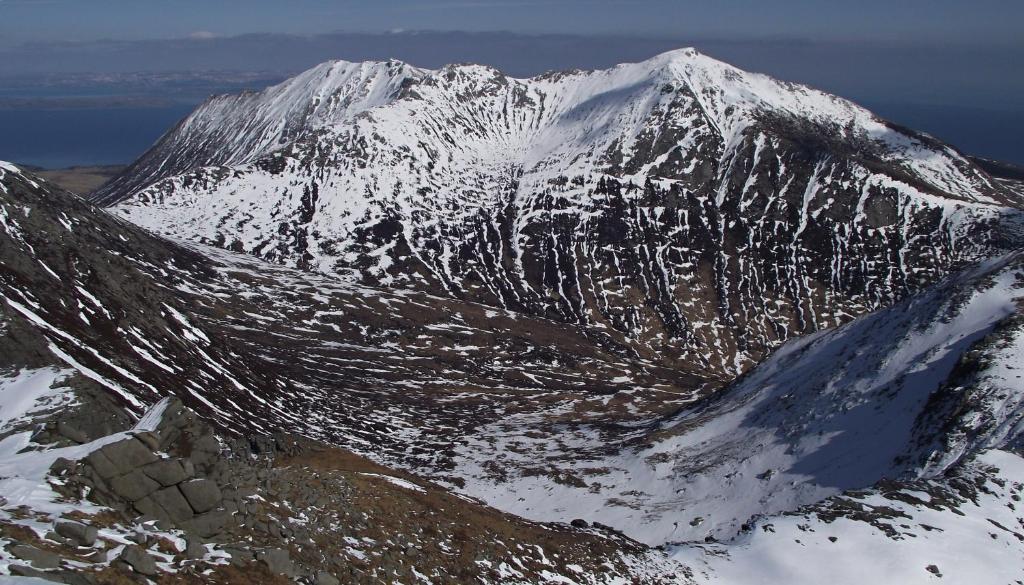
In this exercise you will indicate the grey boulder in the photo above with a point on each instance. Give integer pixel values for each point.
(39, 559)
(202, 494)
(76, 532)
(139, 560)
(277, 560)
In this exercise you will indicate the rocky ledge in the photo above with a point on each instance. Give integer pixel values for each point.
(174, 500)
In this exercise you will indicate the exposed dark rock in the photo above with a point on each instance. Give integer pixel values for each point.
(167, 472)
(39, 559)
(139, 560)
(76, 532)
(202, 494)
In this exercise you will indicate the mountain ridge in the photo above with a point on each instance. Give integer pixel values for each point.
(733, 211)
(685, 64)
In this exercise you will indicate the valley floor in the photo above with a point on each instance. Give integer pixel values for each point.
(177, 413)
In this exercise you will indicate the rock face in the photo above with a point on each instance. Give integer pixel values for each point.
(694, 209)
(154, 474)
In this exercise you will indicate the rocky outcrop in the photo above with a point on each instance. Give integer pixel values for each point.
(182, 501)
(162, 474)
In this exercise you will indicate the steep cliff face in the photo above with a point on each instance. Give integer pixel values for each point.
(683, 206)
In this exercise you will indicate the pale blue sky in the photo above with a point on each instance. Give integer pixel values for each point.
(975, 21)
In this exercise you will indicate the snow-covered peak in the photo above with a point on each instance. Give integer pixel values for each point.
(325, 95)
(393, 175)
(240, 128)
(569, 123)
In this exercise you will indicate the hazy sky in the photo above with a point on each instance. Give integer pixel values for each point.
(959, 21)
(951, 67)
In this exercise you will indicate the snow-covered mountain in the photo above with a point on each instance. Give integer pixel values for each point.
(905, 393)
(902, 420)
(672, 303)
(683, 206)
(103, 326)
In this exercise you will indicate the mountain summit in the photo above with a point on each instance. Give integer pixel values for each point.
(381, 323)
(680, 205)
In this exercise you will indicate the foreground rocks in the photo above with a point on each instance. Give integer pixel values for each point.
(160, 475)
(183, 503)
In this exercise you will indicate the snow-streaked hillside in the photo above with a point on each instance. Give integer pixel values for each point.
(395, 374)
(236, 129)
(685, 207)
(737, 317)
(966, 527)
(835, 411)
(878, 427)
